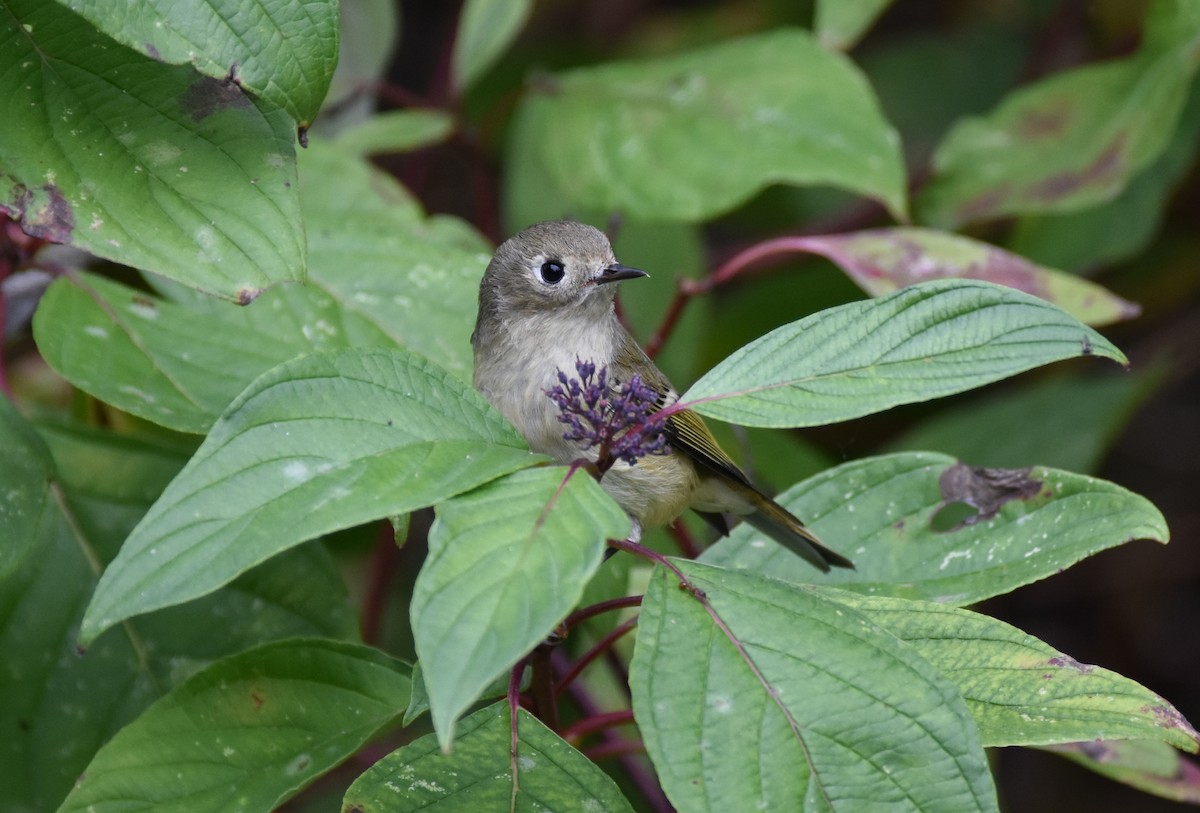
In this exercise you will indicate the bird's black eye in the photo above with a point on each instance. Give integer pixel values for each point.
(552, 271)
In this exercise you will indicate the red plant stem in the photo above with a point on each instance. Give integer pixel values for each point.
(688, 289)
(593, 653)
(638, 549)
(683, 538)
(591, 611)
(577, 731)
(383, 567)
(639, 774)
(545, 695)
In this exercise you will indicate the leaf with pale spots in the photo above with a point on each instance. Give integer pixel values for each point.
(1019, 690)
(478, 773)
(284, 53)
(922, 342)
(1073, 140)
(142, 163)
(923, 525)
(506, 563)
(689, 136)
(778, 714)
(881, 261)
(248, 731)
(323, 442)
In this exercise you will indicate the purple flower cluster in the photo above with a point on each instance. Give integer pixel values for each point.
(620, 424)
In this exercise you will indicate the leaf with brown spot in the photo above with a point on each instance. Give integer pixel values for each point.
(1148, 765)
(882, 260)
(1072, 140)
(856, 509)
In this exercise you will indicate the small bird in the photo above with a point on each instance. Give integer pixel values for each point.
(546, 301)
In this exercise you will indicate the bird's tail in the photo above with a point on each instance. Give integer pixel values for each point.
(778, 523)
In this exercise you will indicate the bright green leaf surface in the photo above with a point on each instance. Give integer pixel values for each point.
(397, 131)
(190, 358)
(506, 563)
(922, 342)
(61, 705)
(1148, 765)
(25, 496)
(774, 698)
(248, 731)
(415, 280)
(1073, 140)
(146, 164)
(878, 511)
(324, 442)
(881, 261)
(841, 23)
(478, 774)
(283, 52)
(1064, 422)
(379, 276)
(690, 136)
(485, 29)
(1019, 690)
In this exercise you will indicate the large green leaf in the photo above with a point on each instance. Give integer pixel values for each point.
(478, 774)
(1019, 690)
(324, 442)
(25, 497)
(1073, 140)
(282, 52)
(922, 342)
(506, 563)
(690, 136)
(60, 704)
(485, 29)
(881, 261)
(894, 516)
(760, 695)
(248, 731)
(146, 164)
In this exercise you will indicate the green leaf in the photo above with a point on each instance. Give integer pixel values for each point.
(368, 33)
(881, 261)
(25, 496)
(248, 731)
(52, 692)
(478, 774)
(1019, 690)
(1068, 422)
(485, 29)
(922, 342)
(1124, 227)
(397, 131)
(1025, 525)
(841, 23)
(765, 695)
(323, 442)
(284, 53)
(506, 563)
(690, 136)
(372, 282)
(145, 164)
(1073, 140)
(415, 280)
(1148, 765)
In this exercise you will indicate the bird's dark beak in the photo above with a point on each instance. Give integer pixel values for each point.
(617, 272)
